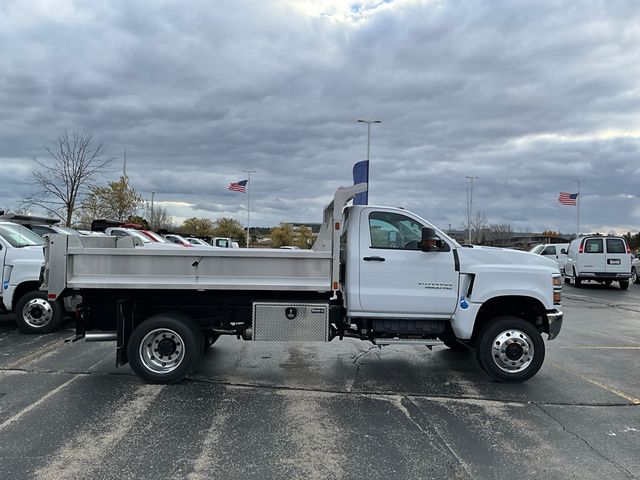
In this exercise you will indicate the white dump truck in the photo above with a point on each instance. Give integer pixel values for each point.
(380, 274)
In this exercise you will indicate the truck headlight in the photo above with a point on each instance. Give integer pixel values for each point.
(557, 289)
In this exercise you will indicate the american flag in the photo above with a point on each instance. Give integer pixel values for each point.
(568, 198)
(238, 186)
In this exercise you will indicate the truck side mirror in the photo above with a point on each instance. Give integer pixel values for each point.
(430, 242)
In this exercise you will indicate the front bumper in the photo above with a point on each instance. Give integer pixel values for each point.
(554, 317)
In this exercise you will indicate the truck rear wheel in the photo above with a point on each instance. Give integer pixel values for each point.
(510, 349)
(165, 348)
(36, 314)
(624, 284)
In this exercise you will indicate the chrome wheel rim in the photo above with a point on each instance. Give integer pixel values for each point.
(162, 350)
(512, 351)
(634, 276)
(37, 313)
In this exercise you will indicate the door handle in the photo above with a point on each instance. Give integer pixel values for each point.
(373, 259)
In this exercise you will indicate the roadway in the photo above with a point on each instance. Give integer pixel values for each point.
(338, 410)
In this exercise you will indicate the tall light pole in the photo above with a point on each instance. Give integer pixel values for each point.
(579, 182)
(249, 172)
(369, 122)
(151, 220)
(470, 206)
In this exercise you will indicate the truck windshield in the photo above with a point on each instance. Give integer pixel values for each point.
(19, 236)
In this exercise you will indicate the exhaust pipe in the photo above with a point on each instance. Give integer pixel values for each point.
(100, 336)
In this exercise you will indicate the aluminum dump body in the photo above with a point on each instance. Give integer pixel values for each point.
(76, 262)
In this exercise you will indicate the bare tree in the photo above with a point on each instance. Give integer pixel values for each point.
(478, 226)
(500, 233)
(59, 187)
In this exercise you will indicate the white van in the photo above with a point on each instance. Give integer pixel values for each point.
(598, 258)
(556, 251)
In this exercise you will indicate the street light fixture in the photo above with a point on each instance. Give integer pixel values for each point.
(368, 122)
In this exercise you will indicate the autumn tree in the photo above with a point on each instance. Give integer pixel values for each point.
(304, 237)
(228, 227)
(59, 184)
(282, 235)
(117, 201)
(200, 227)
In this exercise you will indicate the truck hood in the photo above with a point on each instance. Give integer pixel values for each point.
(476, 256)
(27, 254)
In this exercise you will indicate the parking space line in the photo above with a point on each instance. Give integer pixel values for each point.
(11, 420)
(628, 398)
(603, 348)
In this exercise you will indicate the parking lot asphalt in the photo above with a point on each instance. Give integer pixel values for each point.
(338, 410)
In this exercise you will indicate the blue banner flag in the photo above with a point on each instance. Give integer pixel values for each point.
(361, 175)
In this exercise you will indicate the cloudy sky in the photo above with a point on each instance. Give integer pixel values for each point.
(526, 95)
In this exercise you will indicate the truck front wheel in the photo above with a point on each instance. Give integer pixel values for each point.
(164, 348)
(510, 349)
(36, 314)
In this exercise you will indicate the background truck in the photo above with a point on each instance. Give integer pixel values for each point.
(21, 259)
(379, 274)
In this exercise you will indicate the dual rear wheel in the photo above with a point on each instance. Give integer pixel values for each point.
(166, 348)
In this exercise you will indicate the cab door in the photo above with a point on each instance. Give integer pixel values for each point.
(396, 277)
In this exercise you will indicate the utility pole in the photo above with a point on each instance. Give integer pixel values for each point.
(579, 182)
(369, 122)
(470, 206)
(249, 172)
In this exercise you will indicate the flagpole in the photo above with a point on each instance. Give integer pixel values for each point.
(579, 182)
(248, 202)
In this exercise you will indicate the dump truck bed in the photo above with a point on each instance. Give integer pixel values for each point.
(76, 262)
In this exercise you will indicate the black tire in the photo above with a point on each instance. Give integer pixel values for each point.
(624, 284)
(454, 345)
(497, 338)
(577, 281)
(567, 280)
(634, 276)
(177, 339)
(36, 314)
(608, 283)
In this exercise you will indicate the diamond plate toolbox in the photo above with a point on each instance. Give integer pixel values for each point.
(290, 322)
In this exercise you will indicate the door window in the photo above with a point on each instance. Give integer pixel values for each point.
(594, 245)
(549, 251)
(393, 230)
(616, 245)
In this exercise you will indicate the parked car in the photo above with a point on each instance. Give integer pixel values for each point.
(556, 251)
(52, 229)
(178, 239)
(197, 242)
(598, 258)
(132, 232)
(635, 268)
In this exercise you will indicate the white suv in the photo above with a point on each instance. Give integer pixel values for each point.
(598, 258)
(556, 251)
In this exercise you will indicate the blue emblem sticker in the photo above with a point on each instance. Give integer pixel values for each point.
(6, 285)
(463, 303)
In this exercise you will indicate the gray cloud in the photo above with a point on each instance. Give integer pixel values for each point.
(528, 96)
